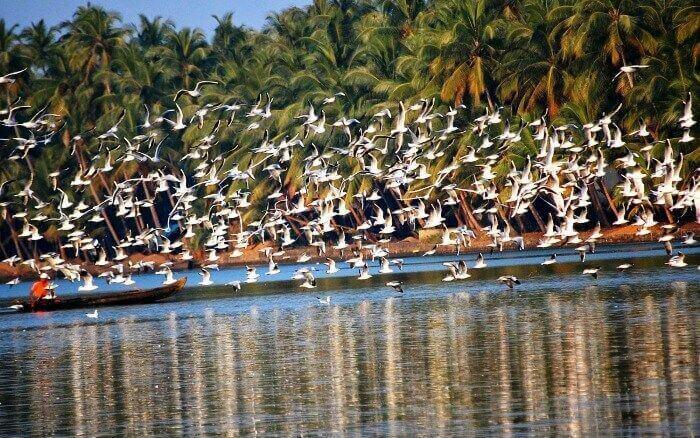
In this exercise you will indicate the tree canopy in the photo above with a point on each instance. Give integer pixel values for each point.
(527, 57)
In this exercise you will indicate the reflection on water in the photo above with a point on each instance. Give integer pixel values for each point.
(598, 361)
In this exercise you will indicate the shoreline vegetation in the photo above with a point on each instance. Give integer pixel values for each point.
(346, 123)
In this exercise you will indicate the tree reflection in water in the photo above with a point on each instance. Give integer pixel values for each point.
(598, 361)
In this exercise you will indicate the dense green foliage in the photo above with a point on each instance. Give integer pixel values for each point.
(527, 56)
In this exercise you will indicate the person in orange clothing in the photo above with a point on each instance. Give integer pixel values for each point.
(40, 289)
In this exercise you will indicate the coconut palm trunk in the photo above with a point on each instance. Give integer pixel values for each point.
(20, 249)
(604, 189)
(152, 208)
(538, 218)
(2, 249)
(93, 191)
(602, 217)
(467, 209)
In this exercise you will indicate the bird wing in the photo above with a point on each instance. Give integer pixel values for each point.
(179, 93)
(200, 83)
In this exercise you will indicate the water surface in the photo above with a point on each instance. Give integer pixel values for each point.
(563, 353)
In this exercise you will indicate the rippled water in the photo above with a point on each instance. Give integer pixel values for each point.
(561, 354)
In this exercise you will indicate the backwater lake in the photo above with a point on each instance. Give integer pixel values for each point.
(562, 353)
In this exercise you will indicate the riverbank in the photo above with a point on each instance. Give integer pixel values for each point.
(254, 255)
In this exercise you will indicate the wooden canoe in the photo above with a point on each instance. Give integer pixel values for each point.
(101, 300)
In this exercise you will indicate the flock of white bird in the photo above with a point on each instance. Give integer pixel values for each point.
(406, 137)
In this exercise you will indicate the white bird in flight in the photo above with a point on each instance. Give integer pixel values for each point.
(196, 92)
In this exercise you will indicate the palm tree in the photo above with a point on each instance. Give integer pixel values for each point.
(459, 43)
(152, 32)
(229, 40)
(184, 52)
(92, 39)
(613, 25)
(39, 43)
(12, 58)
(526, 55)
(401, 14)
(656, 97)
(139, 76)
(534, 72)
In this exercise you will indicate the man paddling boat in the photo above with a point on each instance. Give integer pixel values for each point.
(41, 289)
(43, 299)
